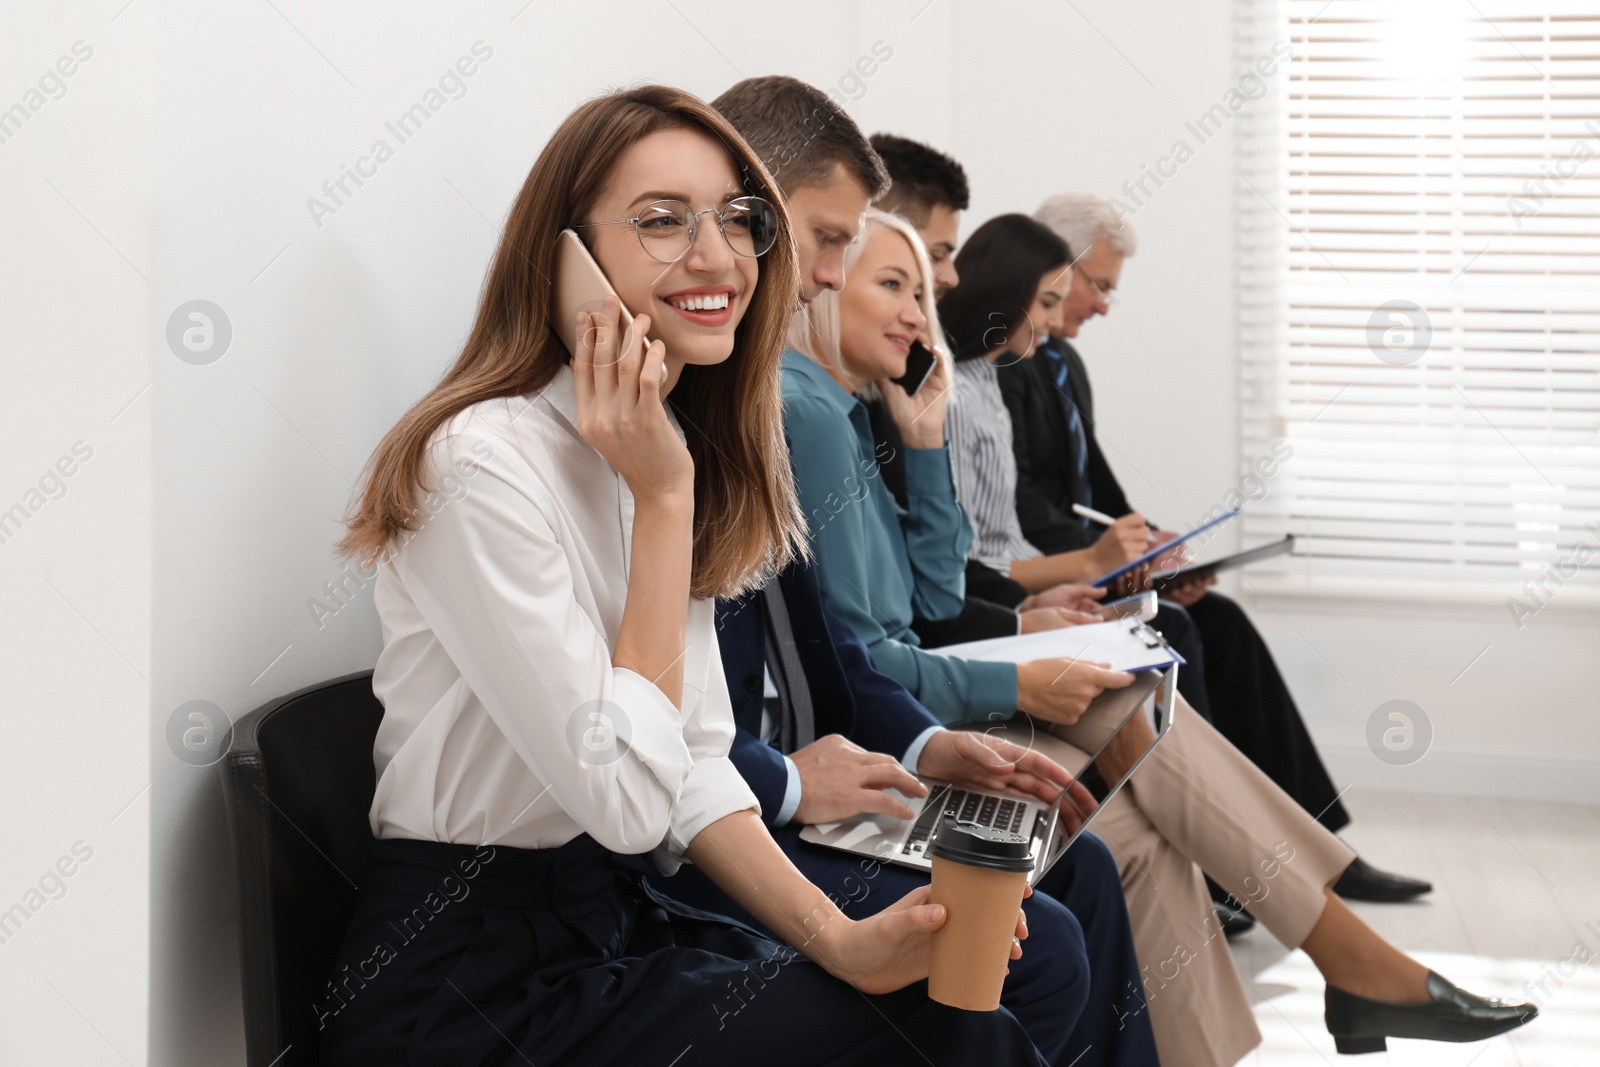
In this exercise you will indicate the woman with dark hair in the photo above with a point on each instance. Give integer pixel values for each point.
(1020, 273)
(554, 703)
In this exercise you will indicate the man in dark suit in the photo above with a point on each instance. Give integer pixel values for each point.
(1048, 444)
(1060, 463)
(797, 678)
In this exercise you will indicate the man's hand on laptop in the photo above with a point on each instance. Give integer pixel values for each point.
(839, 779)
(983, 761)
(1061, 689)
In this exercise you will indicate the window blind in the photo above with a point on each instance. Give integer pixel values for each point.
(1418, 251)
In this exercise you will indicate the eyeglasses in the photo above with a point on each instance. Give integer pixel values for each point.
(1101, 296)
(667, 228)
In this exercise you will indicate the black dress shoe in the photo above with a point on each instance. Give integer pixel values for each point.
(1450, 1014)
(1234, 921)
(1362, 881)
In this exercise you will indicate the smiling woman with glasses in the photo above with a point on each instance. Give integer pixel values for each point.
(555, 708)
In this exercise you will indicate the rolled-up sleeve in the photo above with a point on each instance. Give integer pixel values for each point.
(713, 787)
(491, 577)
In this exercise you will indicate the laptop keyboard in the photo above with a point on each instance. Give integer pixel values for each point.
(966, 807)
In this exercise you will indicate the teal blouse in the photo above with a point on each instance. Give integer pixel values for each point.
(879, 563)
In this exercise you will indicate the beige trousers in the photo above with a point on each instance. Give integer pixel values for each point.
(1198, 804)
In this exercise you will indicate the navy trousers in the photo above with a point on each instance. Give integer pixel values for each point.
(469, 957)
(1076, 990)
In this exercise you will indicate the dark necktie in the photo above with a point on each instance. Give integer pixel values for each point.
(797, 724)
(1079, 461)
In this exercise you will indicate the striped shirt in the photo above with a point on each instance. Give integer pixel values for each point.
(979, 428)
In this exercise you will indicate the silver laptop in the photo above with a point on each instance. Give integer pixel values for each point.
(1142, 711)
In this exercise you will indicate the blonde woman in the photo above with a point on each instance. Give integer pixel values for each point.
(881, 564)
(554, 705)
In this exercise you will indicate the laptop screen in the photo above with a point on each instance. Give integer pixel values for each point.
(1133, 723)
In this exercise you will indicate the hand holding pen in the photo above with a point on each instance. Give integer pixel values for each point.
(1106, 520)
(1125, 540)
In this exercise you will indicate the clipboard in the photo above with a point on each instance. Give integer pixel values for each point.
(1125, 644)
(1165, 547)
(1283, 546)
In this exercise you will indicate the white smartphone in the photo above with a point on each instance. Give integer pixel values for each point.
(580, 286)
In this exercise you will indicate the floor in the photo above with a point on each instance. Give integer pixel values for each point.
(1515, 913)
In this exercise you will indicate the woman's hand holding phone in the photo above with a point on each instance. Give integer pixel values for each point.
(920, 418)
(621, 412)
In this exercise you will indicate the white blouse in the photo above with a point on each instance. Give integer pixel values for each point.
(505, 721)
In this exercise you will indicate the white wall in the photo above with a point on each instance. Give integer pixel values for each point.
(249, 459)
(1106, 96)
(75, 764)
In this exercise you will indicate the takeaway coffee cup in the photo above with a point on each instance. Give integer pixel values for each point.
(979, 874)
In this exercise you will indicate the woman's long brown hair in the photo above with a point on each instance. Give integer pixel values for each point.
(747, 520)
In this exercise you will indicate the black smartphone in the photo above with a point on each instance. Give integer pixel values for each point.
(919, 364)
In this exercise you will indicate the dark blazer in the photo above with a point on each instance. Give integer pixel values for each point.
(1045, 454)
(849, 695)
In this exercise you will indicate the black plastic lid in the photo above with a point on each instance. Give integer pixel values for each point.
(981, 846)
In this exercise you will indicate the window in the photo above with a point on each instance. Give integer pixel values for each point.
(1419, 309)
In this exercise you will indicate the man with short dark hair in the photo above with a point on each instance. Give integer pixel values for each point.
(929, 190)
(805, 691)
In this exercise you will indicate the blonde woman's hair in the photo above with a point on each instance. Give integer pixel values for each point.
(814, 331)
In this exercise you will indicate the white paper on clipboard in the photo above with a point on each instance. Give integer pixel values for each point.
(1125, 644)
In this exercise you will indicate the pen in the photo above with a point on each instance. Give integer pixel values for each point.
(1099, 516)
(1093, 516)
